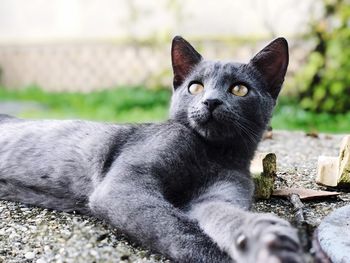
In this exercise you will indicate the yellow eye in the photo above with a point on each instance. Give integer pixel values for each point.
(239, 90)
(195, 88)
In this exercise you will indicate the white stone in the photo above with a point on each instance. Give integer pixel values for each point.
(327, 171)
(344, 161)
(335, 171)
(333, 235)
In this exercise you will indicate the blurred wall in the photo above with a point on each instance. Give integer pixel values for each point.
(90, 44)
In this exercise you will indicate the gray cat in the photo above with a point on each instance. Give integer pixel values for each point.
(181, 187)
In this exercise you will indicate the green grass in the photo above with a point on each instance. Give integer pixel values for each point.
(289, 116)
(144, 105)
(117, 105)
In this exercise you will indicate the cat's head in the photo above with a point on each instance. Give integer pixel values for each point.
(224, 101)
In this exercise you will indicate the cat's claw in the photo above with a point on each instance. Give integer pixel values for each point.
(266, 238)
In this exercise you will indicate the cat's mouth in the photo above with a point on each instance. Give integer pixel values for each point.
(210, 120)
(210, 127)
(205, 119)
(218, 118)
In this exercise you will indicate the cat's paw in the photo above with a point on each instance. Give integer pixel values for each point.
(265, 238)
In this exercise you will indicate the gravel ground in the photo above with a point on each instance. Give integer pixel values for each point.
(30, 234)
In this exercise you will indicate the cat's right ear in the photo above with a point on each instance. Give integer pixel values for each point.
(184, 58)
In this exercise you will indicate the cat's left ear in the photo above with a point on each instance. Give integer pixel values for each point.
(184, 58)
(272, 63)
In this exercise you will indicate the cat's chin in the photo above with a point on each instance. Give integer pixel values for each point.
(212, 130)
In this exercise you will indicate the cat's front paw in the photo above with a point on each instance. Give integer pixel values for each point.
(265, 238)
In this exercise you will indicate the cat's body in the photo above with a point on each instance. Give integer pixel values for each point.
(73, 166)
(181, 187)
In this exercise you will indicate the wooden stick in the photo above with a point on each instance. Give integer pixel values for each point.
(305, 229)
(263, 169)
(298, 208)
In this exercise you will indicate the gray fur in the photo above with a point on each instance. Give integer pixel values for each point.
(181, 187)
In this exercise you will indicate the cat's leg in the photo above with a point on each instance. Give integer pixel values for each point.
(139, 210)
(247, 237)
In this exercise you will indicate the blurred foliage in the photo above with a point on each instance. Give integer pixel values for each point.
(325, 79)
(289, 115)
(144, 105)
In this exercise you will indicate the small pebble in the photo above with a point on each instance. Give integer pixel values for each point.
(29, 255)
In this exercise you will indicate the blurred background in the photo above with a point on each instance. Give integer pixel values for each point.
(109, 60)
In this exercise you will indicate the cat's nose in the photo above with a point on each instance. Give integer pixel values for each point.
(212, 104)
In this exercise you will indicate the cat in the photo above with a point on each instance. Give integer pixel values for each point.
(181, 187)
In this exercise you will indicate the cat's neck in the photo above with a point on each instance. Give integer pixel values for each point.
(236, 154)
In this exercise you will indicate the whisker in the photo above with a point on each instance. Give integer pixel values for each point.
(248, 134)
(249, 125)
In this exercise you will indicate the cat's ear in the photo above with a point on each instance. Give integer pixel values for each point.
(184, 58)
(272, 63)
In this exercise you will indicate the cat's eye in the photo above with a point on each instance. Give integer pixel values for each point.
(239, 90)
(195, 88)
